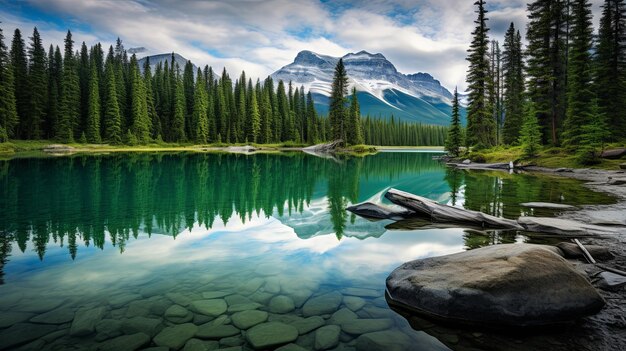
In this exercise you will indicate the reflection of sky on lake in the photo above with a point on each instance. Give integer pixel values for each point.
(258, 240)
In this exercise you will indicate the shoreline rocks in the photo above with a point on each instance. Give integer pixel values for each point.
(502, 285)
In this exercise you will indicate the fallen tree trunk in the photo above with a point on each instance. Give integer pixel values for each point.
(448, 214)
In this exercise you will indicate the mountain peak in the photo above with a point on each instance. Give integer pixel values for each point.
(364, 54)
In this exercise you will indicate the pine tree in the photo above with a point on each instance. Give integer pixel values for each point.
(189, 91)
(92, 122)
(178, 121)
(55, 73)
(337, 108)
(200, 102)
(254, 118)
(593, 137)
(579, 89)
(311, 116)
(139, 119)
(480, 123)
(84, 82)
(19, 65)
(546, 64)
(355, 132)
(453, 140)
(70, 94)
(111, 120)
(8, 110)
(610, 66)
(32, 121)
(513, 85)
(153, 117)
(530, 135)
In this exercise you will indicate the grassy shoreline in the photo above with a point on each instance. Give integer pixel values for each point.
(27, 148)
(550, 158)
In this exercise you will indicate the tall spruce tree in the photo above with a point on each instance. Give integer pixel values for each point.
(153, 117)
(480, 123)
(311, 116)
(70, 94)
(337, 108)
(8, 110)
(38, 89)
(253, 129)
(355, 133)
(178, 120)
(513, 85)
(610, 66)
(580, 94)
(200, 104)
(454, 137)
(139, 120)
(55, 74)
(92, 120)
(19, 65)
(111, 120)
(546, 64)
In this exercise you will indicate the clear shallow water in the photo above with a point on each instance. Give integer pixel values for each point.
(96, 247)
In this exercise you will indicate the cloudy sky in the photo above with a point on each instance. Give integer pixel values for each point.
(262, 36)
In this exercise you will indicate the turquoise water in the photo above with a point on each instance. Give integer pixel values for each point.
(129, 251)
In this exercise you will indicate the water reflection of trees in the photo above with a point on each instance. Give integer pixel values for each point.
(84, 199)
(500, 194)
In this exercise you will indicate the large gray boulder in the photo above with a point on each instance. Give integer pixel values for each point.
(500, 285)
(447, 214)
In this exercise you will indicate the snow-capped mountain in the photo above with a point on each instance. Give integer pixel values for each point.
(161, 58)
(382, 90)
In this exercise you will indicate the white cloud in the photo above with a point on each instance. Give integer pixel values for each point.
(262, 36)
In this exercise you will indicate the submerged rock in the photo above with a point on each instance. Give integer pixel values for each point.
(85, 320)
(323, 304)
(178, 314)
(363, 326)
(375, 211)
(175, 337)
(211, 308)
(125, 343)
(500, 285)
(248, 319)
(353, 303)
(281, 304)
(449, 214)
(548, 205)
(389, 340)
(307, 325)
(327, 337)
(560, 226)
(22, 333)
(271, 334)
(208, 331)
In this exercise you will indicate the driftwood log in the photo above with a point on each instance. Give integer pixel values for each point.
(448, 214)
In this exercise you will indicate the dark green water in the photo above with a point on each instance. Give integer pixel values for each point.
(123, 238)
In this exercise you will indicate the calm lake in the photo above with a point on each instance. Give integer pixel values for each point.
(127, 251)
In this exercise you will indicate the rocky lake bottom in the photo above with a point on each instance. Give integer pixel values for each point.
(207, 252)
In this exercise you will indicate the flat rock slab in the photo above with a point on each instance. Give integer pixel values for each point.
(558, 226)
(215, 294)
(175, 337)
(248, 319)
(281, 304)
(548, 205)
(125, 343)
(375, 211)
(58, 316)
(353, 303)
(149, 326)
(8, 318)
(307, 325)
(21, 333)
(327, 337)
(85, 320)
(447, 214)
(611, 281)
(271, 334)
(211, 308)
(323, 304)
(208, 331)
(500, 285)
